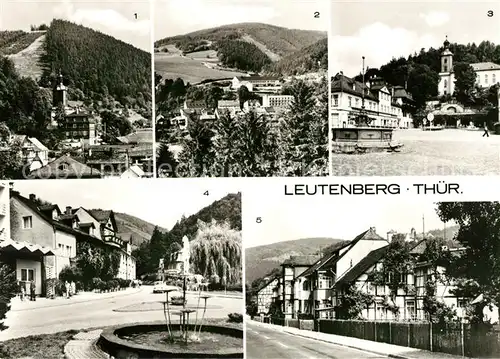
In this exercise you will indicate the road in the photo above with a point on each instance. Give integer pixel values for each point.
(104, 311)
(262, 342)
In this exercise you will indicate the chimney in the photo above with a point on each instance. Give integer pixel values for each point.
(32, 197)
(392, 91)
(68, 210)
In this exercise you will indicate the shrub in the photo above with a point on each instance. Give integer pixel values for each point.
(8, 290)
(235, 318)
(96, 284)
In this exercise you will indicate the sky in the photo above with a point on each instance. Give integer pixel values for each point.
(286, 218)
(157, 201)
(386, 29)
(177, 17)
(112, 17)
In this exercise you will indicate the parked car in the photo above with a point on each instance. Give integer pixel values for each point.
(159, 287)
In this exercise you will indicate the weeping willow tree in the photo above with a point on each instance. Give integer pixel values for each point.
(216, 252)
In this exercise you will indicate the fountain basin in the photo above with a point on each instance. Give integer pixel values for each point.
(355, 140)
(143, 342)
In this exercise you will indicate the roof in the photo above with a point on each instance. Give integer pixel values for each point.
(40, 146)
(362, 266)
(25, 247)
(61, 226)
(228, 103)
(139, 136)
(258, 78)
(74, 169)
(301, 261)
(103, 216)
(68, 216)
(137, 170)
(267, 282)
(342, 83)
(400, 92)
(485, 66)
(333, 256)
(87, 225)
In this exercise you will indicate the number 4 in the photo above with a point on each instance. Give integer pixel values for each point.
(206, 193)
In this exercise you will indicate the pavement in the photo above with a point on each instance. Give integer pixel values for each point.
(84, 345)
(326, 345)
(98, 311)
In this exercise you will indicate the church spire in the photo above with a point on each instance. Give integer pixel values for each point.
(446, 43)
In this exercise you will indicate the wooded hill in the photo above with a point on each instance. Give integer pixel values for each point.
(135, 228)
(97, 64)
(11, 42)
(261, 260)
(311, 58)
(253, 46)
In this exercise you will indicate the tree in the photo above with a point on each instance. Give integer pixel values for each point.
(216, 252)
(422, 84)
(397, 263)
(8, 290)
(225, 141)
(352, 302)
(477, 270)
(465, 81)
(166, 163)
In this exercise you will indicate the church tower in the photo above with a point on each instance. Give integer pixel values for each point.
(60, 93)
(446, 57)
(446, 82)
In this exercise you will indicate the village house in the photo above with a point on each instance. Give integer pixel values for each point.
(34, 154)
(388, 106)
(291, 297)
(179, 261)
(64, 167)
(267, 294)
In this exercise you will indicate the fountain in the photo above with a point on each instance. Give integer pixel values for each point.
(174, 340)
(363, 137)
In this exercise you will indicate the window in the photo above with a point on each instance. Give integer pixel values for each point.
(445, 60)
(27, 274)
(410, 310)
(486, 79)
(27, 222)
(68, 251)
(493, 79)
(335, 100)
(445, 68)
(445, 84)
(63, 166)
(350, 101)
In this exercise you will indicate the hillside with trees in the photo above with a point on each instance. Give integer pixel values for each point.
(226, 213)
(241, 55)
(279, 40)
(419, 73)
(311, 58)
(97, 64)
(11, 42)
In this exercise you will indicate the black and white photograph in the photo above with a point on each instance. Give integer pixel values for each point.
(100, 274)
(415, 88)
(241, 88)
(75, 89)
(371, 278)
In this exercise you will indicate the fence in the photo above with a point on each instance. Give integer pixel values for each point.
(470, 340)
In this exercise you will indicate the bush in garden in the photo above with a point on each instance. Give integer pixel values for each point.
(235, 318)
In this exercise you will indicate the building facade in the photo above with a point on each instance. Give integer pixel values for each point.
(387, 106)
(263, 84)
(267, 295)
(487, 73)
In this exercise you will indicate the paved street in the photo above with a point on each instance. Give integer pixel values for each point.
(262, 342)
(124, 307)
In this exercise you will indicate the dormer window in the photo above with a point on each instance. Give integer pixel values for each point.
(64, 166)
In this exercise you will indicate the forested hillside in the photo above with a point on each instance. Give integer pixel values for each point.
(279, 40)
(226, 209)
(241, 55)
(137, 229)
(11, 42)
(97, 64)
(309, 59)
